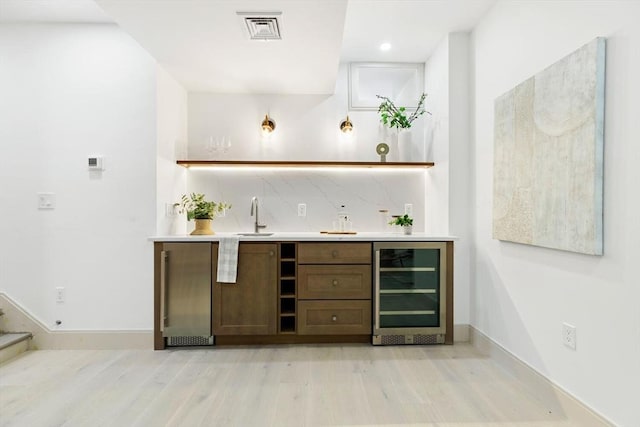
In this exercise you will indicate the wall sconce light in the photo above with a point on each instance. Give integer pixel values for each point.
(268, 125)
(346, 126)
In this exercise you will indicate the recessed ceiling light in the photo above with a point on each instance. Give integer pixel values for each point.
(385, 46)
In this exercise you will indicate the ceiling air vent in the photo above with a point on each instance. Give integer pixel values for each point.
(261, 25)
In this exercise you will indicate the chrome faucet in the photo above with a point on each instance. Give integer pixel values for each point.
(254, 208)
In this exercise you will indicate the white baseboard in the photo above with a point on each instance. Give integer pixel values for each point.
(461, 333)
(553, 396)
(16, 319)
(96, 340)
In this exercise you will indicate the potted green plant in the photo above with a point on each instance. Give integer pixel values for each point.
(396, 117)
(202, 211)
(404, 221)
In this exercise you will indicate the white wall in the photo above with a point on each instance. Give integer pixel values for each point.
(448, 203)
(172, 145)
(307, 126)
(68, 92)
(523, 294)
(437, 138)
(459, 181)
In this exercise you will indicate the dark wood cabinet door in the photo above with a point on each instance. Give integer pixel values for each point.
(249, 306)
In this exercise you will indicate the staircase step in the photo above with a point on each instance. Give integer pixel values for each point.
(12, 344)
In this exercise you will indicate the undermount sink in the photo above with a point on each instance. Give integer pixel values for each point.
(254, 234)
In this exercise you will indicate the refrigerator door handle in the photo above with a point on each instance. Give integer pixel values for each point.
(376, 320)
(163, 290)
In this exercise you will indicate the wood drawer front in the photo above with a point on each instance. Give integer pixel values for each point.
(334, 282)
(341, 317)
(334, 253)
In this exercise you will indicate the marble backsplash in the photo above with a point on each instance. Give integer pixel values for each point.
(363, 192)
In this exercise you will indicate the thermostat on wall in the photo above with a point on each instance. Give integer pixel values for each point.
(95, 163)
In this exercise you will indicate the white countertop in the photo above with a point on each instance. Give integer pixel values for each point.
(310, 237)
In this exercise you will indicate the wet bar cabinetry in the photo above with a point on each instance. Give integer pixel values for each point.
(287, 289)
(183, 306)
(305, 291)
(248, 306)
(411, 293)
(334, 289)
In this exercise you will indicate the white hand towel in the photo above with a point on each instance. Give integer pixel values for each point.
(228, 259)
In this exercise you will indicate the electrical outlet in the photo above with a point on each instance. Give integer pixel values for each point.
(60, 294)
(569, 335)
(302, 209)
(171, 210)
(408, 209)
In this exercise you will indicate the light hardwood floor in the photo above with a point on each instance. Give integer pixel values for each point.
(302, 385)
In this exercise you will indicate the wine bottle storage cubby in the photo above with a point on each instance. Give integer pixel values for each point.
(288, 305)
(288, 324)
(287, 287)
(287, 268)
(287, 292)
(288, 251)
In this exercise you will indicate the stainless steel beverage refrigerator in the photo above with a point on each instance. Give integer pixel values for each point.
(185, 293)
(410, 293)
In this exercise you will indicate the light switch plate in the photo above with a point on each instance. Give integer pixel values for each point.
(46, 200)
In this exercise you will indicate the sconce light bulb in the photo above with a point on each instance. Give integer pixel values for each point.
(346, 126)
(268, 125)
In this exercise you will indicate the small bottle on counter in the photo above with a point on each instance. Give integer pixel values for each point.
(384, 220)
(343, 219)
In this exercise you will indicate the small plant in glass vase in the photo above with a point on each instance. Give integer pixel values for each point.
(202, 211)
(404, 221)
(399, 118)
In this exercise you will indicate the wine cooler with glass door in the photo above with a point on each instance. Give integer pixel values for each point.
(410, 293)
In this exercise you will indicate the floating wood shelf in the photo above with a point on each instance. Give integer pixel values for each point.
(301, 164)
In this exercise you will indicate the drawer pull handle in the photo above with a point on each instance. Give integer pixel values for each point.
(334, 254)
(334, 318)
(335, 282)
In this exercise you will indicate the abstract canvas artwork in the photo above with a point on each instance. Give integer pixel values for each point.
(548, 156)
